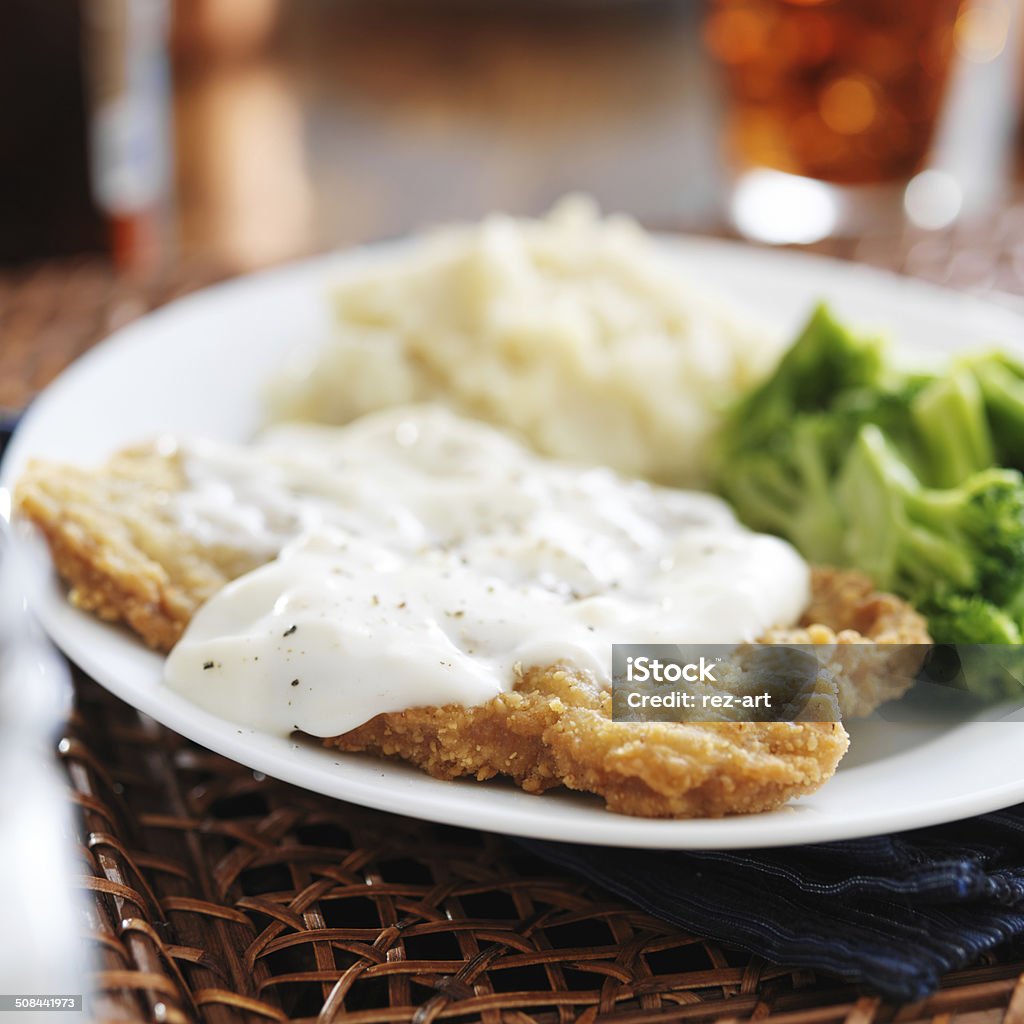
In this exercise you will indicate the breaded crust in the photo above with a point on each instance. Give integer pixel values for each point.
(878, 638)
(115, 539)
(555, 729)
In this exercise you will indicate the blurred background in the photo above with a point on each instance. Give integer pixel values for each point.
(245, 132)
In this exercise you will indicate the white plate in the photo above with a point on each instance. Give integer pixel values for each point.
(199, 366)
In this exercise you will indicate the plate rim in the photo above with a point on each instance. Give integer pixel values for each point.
(695, 833)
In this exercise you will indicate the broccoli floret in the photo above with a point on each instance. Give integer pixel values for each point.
(786, 488)
(893, 473)
(785, 442)
(969, 619)
(984, 516)
(824, 362)
(952, 551)
(1001, 380)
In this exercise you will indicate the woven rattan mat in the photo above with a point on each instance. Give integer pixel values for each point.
(219, 896)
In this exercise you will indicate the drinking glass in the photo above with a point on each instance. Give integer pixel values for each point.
(836, 109)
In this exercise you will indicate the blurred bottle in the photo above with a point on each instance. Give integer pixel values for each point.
(45, 204)
(85, 150)
(126, 44)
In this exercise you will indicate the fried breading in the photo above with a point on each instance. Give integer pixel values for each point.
(115, 538)
(555, 729)
(875, 639)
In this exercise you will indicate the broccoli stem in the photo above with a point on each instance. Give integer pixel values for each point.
(950, 417)
(901, 534)
(1001, 381)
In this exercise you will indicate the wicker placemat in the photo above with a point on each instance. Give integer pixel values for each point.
(50, 313)
(218, 896)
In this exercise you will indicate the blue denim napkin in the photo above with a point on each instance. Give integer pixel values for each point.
(891, 913)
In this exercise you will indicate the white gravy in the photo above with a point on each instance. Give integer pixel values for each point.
(422, 559)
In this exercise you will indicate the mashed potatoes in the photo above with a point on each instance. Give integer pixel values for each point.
(582, 334)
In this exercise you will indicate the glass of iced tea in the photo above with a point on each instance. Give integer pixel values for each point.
(832, 105)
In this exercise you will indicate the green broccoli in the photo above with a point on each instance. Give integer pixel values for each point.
(950, 419)
(785, 442)
(786, 488)
(826, 361)
(863, 466)
(957, 553)
(969, 619)
(1001, 380)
